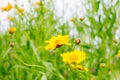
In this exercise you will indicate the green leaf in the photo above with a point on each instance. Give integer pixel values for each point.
(49, 66)
(34, 50)
(86, 46)
(43, 77)
(6, 52)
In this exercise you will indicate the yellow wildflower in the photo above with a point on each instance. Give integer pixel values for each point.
(57, 41)
(37, 3)
(7, 8)
(75, 56)
(118, 54)
(21, 10)
(12, 30)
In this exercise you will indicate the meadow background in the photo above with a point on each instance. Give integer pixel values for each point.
(96, 24)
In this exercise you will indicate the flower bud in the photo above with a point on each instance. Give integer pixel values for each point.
(81, 19)
(115, 41)
(103, 65)
(12, 44)
(77, 41)
(12, 30)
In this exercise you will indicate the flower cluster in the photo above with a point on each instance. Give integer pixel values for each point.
(57, 41)
(73, 58)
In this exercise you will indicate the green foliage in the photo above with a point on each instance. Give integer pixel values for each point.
(28, 59)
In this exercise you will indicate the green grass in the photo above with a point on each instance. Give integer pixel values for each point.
(28, 59)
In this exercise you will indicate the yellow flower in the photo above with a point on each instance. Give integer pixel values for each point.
(12, 30)
(75, 56)
(37, 3)
(118, 54)
(57, 41)
(7, 8)
(21, 10)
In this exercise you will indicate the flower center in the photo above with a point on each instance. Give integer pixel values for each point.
(73, 58)
(58, 44)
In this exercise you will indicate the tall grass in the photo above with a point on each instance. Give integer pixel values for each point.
(28, 59)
